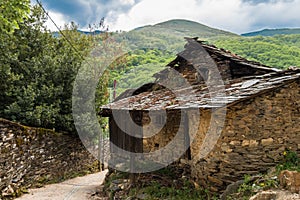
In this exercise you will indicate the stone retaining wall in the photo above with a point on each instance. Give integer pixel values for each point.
(30, 157)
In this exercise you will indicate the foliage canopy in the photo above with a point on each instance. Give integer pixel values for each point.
(13, 12)
(38, 71)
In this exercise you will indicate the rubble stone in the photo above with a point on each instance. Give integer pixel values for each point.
(267, 142)
(290, 180)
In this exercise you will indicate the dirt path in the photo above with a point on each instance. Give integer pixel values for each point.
(80, 188)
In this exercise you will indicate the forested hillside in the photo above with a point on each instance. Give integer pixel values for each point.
(280, 51)
(272, 32)
(156, 45)
(169, 35)
(153, 47)
(150, 48)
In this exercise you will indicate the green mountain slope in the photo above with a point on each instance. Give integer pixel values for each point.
(152, 47)
(170, 35)
(185, 28)
(272, 32)
(280, 51)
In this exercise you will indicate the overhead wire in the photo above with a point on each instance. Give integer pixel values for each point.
(59, 30)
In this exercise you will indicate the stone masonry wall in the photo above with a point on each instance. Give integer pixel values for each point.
(160, 135)
(32, 156)
(256, 133)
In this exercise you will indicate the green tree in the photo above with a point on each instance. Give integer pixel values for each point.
(13, 12)
(39, 71)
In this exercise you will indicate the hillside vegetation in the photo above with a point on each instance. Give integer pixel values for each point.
(169, 35)
(152, 47)
(272, 32)
(280, 51)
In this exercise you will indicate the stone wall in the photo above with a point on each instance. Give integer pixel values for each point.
(164, 133)
(30, 157)
(255, 135)
(161, 131)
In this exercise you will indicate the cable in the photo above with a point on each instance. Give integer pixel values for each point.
(59, 30)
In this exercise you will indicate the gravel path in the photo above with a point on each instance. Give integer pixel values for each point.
(80, 188)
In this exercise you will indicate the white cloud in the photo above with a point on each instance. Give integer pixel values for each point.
(152, 11)
(280, 13)
(59, 19)
(234, 15)
(238, 16)
(223, 14)
(127, 2)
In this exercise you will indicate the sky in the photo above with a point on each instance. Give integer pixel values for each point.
(237, 16)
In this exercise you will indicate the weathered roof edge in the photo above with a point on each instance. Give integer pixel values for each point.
(106, 112)
(265, 91)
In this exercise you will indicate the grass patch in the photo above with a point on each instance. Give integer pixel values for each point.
(291, 162)
(156, 191)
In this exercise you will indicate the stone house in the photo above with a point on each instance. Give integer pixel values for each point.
(223, 131)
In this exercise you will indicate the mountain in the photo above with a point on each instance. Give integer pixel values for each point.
(96, 32)
(170, 35)
(152, 47)
(272, 32)
(165, 35)
(185, 28)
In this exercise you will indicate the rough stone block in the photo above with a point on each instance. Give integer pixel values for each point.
(290, 180)
(235, 143)
(253, 143)
(245, 143)
(265, 195)
(267, 142)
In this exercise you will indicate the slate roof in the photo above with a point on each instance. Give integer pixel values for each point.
(198, 96)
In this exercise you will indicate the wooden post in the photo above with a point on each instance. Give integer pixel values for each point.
(187, 136)
(134, 143)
